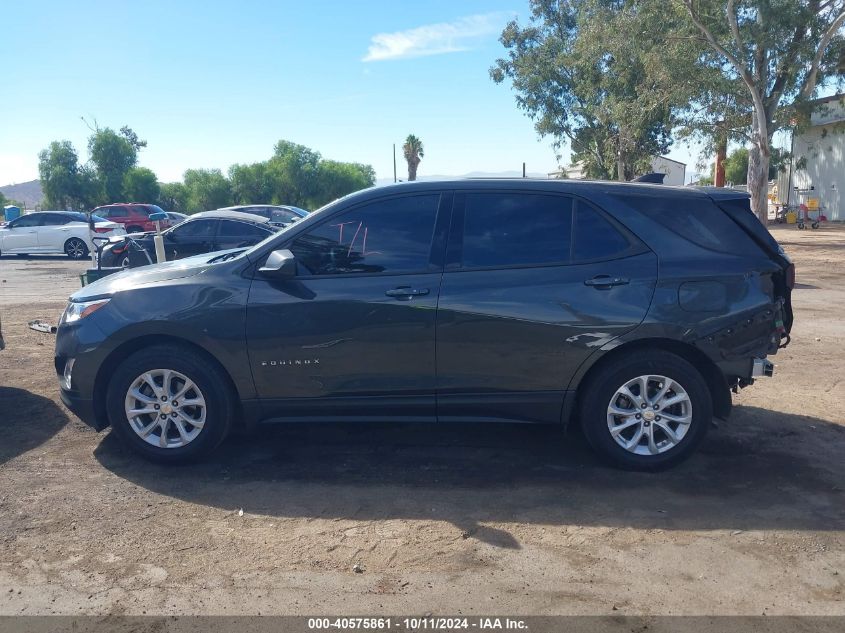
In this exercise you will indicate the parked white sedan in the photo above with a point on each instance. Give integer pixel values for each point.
(54, 232)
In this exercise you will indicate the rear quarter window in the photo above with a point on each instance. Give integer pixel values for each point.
(696, 219)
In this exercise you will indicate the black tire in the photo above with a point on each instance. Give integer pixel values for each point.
(801, 225)
(815, 225)
(208, 377)
(76, 248)
(595, 398)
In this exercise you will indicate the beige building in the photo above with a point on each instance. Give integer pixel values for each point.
(675, 171)
(819, 160)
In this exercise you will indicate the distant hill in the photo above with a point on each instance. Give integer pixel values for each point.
(28, 193)
(472, 174)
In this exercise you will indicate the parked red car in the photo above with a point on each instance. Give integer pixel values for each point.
(134, 216)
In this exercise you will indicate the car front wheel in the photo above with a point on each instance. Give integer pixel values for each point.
(646, 412)
(169, 404)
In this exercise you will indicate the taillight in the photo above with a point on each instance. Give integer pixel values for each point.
(117, 250)
(104, 229)
(790, 276)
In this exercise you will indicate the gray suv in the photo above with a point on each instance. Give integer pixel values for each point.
(630, 309)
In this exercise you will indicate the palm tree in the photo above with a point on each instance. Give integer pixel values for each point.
(414, 153)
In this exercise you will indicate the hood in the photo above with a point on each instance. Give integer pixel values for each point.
(147, 275)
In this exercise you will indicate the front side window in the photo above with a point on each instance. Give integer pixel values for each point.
(25, 221)
(516, 229)
(386, 236)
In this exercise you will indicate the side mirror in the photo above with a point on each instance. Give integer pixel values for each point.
(281, 264)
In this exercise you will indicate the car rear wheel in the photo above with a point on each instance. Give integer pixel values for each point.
(646, 412)
(75, 248)
(169, 404)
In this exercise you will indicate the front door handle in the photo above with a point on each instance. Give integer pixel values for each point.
(606, 281)
(406, 292)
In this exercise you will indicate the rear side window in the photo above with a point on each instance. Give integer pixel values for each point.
(696, 219)
(595, 237)
(516, 229)
(242, 230)
(385, 236)
(197, 229)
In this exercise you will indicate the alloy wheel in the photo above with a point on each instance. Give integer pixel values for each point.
(165, 408)
(649, 415)
(75, 249)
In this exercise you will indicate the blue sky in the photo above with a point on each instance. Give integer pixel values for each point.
(210, 83)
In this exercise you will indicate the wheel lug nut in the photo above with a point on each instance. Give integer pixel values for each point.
(643, 405)
(173, 415)
(163, 417)
(656, 407)
(175, 404)
(164, 398)
(657, 418)
(157, 407)
(639, 416)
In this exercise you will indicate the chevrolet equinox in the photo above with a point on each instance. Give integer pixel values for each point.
(631, 309)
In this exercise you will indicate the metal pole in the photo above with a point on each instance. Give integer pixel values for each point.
(523, 170)
(791, 162)
(394, 162)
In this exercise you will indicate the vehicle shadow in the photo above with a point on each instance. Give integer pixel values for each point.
(26, 258)
(26, 421)
(743, 477)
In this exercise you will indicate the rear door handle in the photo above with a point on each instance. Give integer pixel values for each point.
(606, 281)
(406, 292)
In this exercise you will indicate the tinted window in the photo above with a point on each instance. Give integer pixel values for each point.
(25, 221)
(195, 230)
(283, 215)
(52, 219)
(241, 230)
(511, 229)
(595, 236)
(386, 236)
(696, 219)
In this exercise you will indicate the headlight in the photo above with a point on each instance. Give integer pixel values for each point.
(76, 311)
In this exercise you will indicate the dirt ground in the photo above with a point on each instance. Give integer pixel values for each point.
(459, 520)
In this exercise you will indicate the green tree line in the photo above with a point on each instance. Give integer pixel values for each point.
(294, 174)
(618, 80)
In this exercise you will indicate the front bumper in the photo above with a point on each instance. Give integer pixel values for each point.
(83, 408)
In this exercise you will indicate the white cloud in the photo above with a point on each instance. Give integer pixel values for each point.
(434, 39)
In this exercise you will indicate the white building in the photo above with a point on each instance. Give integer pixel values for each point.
(820, 152)
(675, 171)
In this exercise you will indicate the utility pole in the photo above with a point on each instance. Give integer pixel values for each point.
(523, 170)
(394, 162)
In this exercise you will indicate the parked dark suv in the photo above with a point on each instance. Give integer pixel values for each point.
(633, 309)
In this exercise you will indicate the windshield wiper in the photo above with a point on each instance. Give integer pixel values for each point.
(225, 256)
